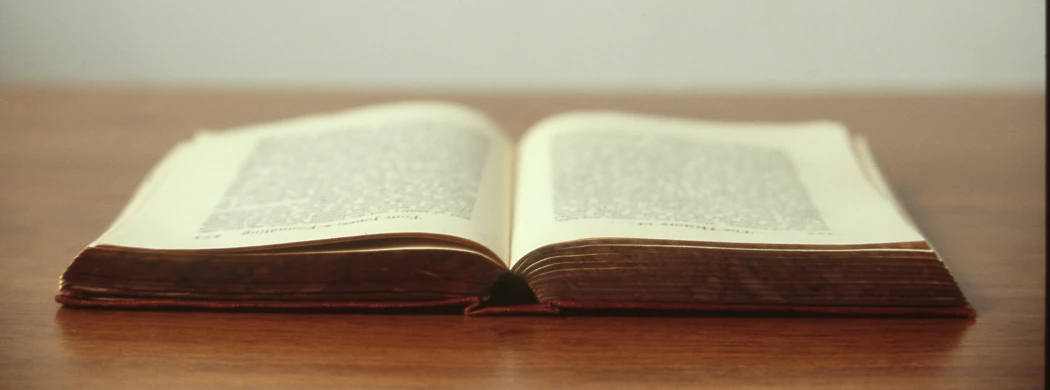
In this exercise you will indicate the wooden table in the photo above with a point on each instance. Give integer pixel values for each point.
(970, 167)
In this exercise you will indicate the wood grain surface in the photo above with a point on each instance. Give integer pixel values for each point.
(971, 168)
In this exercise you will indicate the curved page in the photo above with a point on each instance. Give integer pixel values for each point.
(399, 169)
(610, 175)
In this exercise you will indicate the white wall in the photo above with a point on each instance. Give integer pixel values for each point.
(723, 44)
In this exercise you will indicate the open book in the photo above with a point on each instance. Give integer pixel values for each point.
(430, 204)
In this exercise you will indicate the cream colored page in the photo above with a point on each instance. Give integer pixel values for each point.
(602, 174)
(401, 168)
(145, 189)
(871, 169)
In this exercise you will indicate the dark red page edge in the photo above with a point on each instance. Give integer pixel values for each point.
(577, 307)
(473, 306)
(74, 300)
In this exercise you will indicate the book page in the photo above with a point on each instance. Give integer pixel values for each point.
(408, 168)
(614, 175)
